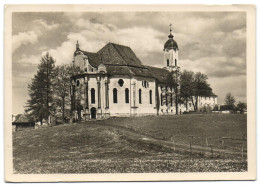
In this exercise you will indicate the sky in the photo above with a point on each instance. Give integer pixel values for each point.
(213, 43)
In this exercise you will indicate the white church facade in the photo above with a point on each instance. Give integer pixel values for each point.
(114, 82)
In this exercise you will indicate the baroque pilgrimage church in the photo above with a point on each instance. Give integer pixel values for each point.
(115, 82)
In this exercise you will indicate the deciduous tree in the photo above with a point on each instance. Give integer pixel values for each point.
(230, 100)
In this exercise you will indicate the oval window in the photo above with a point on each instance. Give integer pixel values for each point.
(121, 82)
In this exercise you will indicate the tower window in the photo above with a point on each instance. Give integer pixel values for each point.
(93, 96)
(115, 95)
(140, 96)
(78, 82)
(175, 62)
(168, 62)
(126, 95)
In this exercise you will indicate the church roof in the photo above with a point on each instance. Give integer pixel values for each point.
(121, 60)
(114, 54)
(160, 74)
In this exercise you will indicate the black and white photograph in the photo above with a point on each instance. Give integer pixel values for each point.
(142, 89)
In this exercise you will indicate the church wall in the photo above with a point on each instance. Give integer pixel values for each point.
(207, 101)
(121, 108)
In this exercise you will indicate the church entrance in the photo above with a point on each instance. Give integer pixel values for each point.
(93, 111)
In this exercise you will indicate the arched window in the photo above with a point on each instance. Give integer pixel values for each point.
(92, 96)
(140, 96)
(114, 95)
(171, 99)
(175, 62)
(151, 98)
(168, 62)
(126, 95)
(161, 99)
(78, 82)
(166, 99)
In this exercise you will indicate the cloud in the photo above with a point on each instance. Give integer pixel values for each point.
(29, 59)
(38, 28)
(24, 38)
(93, 36)
(43, 24)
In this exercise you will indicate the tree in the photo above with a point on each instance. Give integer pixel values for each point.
(186, 89)
(199, 88)
(241, 107)
(230, 101)
(39, 106)
(62, 89)
(173, 81)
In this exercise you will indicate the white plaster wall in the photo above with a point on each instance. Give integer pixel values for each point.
(126, 109)
(207, 101)
(171, 55)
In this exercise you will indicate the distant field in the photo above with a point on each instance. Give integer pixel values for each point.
(182, 127)
(117, 145)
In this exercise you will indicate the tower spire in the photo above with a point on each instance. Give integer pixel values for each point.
(77, 45)
(170, 36)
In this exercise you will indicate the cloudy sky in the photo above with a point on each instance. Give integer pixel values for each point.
(210, 42)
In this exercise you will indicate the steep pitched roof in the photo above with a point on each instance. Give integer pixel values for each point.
(114, 54)
(93, 58)
(159, 73)
(121, 60)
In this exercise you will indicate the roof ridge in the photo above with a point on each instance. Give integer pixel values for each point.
(118, 53)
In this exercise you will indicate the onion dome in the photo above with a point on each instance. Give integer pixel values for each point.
(171, 44)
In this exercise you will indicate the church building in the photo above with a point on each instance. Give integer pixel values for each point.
(114, 82)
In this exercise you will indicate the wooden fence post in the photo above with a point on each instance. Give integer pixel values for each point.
(207, 144)
(222, 140)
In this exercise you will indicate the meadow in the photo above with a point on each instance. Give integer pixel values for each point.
(136, 145)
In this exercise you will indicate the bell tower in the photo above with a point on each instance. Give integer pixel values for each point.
(171, 52)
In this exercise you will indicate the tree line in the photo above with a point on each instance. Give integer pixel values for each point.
(188, 86)
(230, 102)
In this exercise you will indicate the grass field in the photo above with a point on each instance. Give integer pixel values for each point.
(116, 145)
(182, 127)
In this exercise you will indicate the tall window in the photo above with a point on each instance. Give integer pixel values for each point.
(166, 99)
(171, 99)
(126, 95)
(175, 62)
(93, 96)
(161, 99)
(151, 99)
(114, 95)
(168, 62)
(140, 96)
